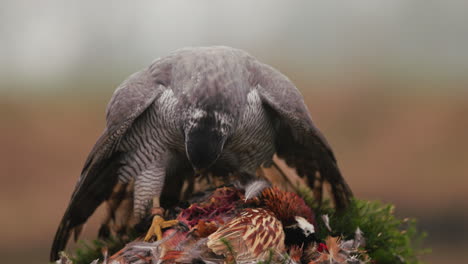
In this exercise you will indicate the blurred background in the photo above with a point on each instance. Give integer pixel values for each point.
(386, 81)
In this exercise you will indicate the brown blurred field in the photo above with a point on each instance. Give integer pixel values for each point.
(386, 81)
(398, 147)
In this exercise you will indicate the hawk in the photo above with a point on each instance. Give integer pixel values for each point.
(198, 111)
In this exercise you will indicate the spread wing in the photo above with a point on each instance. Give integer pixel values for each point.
(99, 176)
(298, 141)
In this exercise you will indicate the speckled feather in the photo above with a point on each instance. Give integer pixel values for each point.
(250, 235)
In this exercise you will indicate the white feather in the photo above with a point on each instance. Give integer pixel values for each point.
(307, 228)
(326, 221)
(255, 188)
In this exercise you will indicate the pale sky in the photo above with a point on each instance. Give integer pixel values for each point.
(52, 38)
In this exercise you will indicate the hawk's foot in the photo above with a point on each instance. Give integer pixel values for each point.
(157, 225)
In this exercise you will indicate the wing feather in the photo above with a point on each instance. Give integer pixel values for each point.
(298, 141)
(99, 176)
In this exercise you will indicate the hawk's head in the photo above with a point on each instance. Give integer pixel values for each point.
(206, 133)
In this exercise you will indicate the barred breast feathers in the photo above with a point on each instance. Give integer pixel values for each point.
(150, 137)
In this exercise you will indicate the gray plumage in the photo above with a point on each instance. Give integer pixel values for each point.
(212, 110)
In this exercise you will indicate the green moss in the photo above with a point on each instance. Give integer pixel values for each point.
(88, 251)
(388, 238)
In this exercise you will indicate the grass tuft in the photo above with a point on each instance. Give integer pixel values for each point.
(89, 251)
(389, 239)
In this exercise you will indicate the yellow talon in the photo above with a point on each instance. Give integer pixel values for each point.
(158, 222)
(156, 227)
(169, 223)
